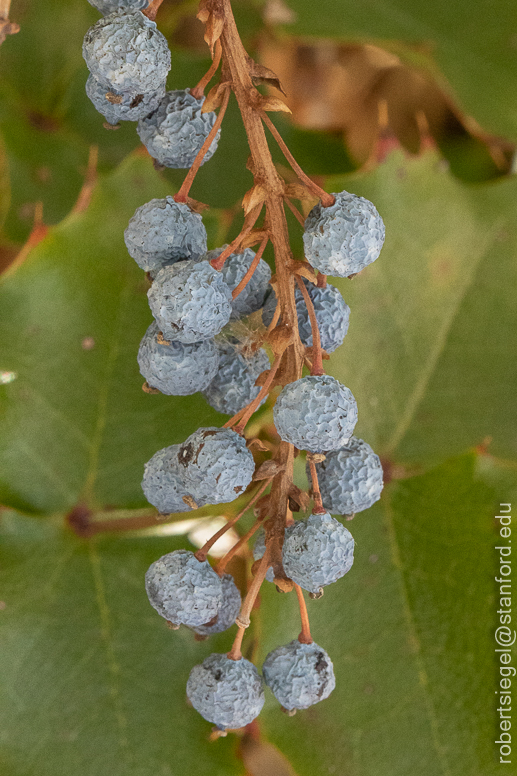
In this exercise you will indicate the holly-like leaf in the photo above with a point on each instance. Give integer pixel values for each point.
(76, 426)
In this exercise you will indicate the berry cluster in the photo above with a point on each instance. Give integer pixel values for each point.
(195, 297)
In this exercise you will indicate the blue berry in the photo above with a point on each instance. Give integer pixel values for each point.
(130, 106)
(174, 133)
(190, 301)
(315, 413)
(163, 482)
(344, 238)
(177, 369)
(127, 53)
(332, 314)
(234, 268)
(217, 465)
(350, 478)
(229, 610)
(233, 387)
(299, 675)
(226, 692)
(317, 552)
(183, 589)
(162, 232)
(110, 6)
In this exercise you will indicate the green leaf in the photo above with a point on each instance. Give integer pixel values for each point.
(409, 631)
(75, 424)
(472, 44)
(426, 353)
(5, 186)
(93, 680)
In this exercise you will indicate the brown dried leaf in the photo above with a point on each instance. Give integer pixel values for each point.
(195, 205)
(149, 388)
(213, 29)
(215, 97)
(253, 197)
(254, 237)
(260, 74)
(304, 270)
(298, 497)
(272, 104)
(257, 444)
(268, 469)
(280, 338)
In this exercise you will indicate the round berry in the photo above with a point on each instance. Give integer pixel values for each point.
(251, 298)
(183, 589)
(317, 552)
(175, 368)
(163, 482)
(121, 106)
(190, 301)
(344, 238)
(299, 675)
(174, 133)
(226, 692)
(127, 53)
(217, 465)
(230, 608)
(233, 387)
(162, 232)
(315, 413)
(350, 478)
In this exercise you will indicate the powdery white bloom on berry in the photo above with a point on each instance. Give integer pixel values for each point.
(233, 387)
(228, 693)
(174, 132)
(110, 6)
(228, 611)
(127, 52)
(251, 298)
(317, 552)
(315, 413)
(344, 238)
(350, 479)
(176, 368)
(217, 465)
(182, 589)
(163, 481)
(190, 301)
(332, 314)
(129, 106)
(299, 675)
(162, 232)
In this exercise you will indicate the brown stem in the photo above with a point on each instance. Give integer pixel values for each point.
(182, 194)
(317, 358)
(319, 509)
(205, 549)
(199, 90)
(243, 618)
(243, 541)
(326, 199)
(249, 222)
(305, 636)
(252, 406)
(275, 319)
(251, 269)
(294, 210)
(322, 280)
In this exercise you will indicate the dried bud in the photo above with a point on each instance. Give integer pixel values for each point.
(280, 338)
(260, 74)
(214, 97)
(298, 499)
(254, 197)
(271, 104)
(149, 389)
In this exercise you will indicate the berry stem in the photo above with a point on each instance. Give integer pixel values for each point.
(221, 566)
(199, 90)
(317, 357)
(319, 509)
(243, 618)
(202, 553)
(182, 194)
(326, 199)
(276, 318)
(294, 210)
(263, 392)
(251, 269)
(322, 280)
(305, 635)
(249, 222)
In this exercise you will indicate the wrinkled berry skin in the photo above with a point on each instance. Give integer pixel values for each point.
(299, 675)
(163, 482)
(132, 107)
(127, 53)
(344, 238)
(229, 610)
(111, 6)
(177, 369)
(228, 693)
(233, 387)
(317, 552)
(252, 297)
(217, 465)
(315, 413)
(174, 132)
(182, 589)
(190, 301)
(332, 314)
(350, 478)
(162, 232)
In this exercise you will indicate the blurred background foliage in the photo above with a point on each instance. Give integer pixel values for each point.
(411, 105)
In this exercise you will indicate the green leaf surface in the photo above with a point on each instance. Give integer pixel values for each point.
(93, 680)
(409, 630)
(426, 353)
(75, 424)
(473, 45)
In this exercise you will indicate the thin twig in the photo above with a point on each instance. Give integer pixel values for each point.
(243, 618)
(294, 210)
(317, 358)
(221, 566)
(249, 222)
(252, 406)
(251, 269)
(199, 90)
(319, 509)
(305, 636)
